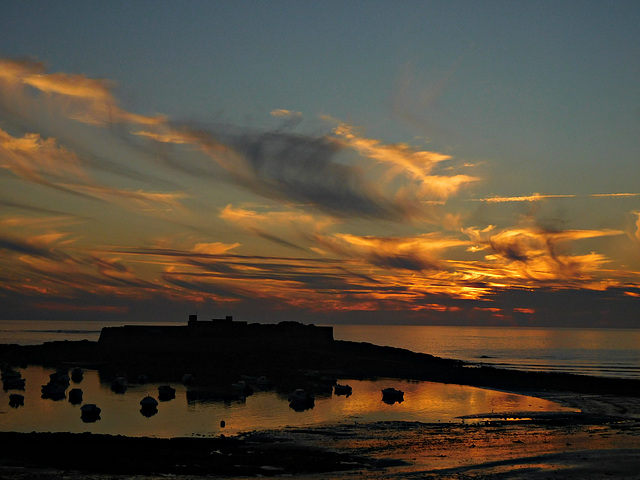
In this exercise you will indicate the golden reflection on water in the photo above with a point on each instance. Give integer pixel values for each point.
(423, 401)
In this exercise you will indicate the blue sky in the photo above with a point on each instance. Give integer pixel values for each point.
(428, 162)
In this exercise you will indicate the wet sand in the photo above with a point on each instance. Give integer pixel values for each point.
(592, 445)
(601, 442)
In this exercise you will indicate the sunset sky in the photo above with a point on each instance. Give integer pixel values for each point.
(436, 162)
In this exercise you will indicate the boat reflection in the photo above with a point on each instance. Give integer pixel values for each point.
(199, 411)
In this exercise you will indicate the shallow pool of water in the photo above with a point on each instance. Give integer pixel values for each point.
(423, 401)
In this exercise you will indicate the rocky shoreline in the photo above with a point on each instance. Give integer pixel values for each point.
(118, 455)
(225, 362)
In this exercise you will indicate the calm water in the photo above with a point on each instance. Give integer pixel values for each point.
(423, 401)
(35, 332)
(600, 352)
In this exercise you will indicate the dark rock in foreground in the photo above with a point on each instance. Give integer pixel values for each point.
(120, 455)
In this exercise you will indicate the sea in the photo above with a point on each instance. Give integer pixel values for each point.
(590, 351)
(607, 353)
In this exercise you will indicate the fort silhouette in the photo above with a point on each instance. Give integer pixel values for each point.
(200, 335)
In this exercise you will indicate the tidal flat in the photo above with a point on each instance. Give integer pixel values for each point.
(600, 438)
(601, 442)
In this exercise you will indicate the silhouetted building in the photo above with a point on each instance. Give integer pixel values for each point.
(206, 335)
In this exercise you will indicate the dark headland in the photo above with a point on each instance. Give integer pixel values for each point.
(291, 355)
(216, 352)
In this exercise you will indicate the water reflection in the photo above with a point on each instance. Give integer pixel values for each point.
(205, 412)
(148, 406)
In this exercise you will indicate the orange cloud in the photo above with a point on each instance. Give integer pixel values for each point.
(284, 227)
(83, 99)
(529, 311)
(637, 214)
(214, 248)
(139, 198)
(308, 169)
(410, 253)
(251, 219)
(537, 197)
(286, 113)
(532, 253)
(37, 222)
(341, 173)
(403, 161)
(45, 162)
(171, 135)
(488, 309)
(38, 160)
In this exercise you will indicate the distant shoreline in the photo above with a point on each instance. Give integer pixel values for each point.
(341, 358)
(606, 353)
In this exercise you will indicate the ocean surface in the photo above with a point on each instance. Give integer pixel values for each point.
(599, 352)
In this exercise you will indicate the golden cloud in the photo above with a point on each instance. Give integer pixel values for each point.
(83, 99)
(409, 253)
(402, 160)
(532, 253)
(128, 198)
(285, 113)
(36, 159)
(537, 197)
(276, 222)
(214, 248)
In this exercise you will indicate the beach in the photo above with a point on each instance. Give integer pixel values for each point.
(602, 442)
(600, 438)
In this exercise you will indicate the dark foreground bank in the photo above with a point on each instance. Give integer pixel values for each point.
(288, 368)
(580, 446)
(243, 456)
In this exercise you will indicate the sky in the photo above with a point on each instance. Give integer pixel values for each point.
(407, 162)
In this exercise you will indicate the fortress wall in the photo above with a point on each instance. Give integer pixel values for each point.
(207, 336)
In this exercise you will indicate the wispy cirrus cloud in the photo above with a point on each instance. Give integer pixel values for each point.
(139, 198)
(290, 167)
(331, 172)
(37, 247)
(535, 254)
(39, 160)
(537, 197)
(44, 162)
(637, 233)
(407, 253)
(40, 222)
(276, 225)
(371, 225)
(81, 98)
(414, 165)
(341, 173)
